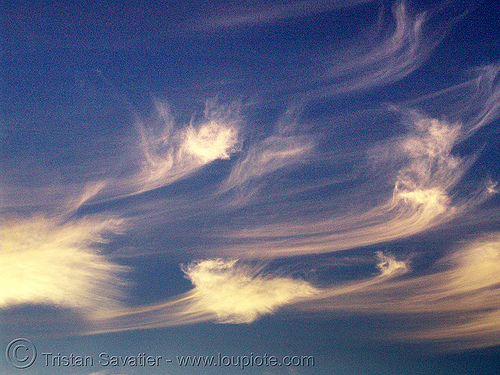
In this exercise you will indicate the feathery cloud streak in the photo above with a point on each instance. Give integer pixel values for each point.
(270, 13)
(396, 56)
(421, 199)
(277, 193)
(464, 288)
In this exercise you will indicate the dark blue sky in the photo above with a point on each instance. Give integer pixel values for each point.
(304, 178)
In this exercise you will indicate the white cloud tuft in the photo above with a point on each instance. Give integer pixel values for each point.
(170, 154)
(238, 293)
(210, 141)
(45, 261)
(389, 266)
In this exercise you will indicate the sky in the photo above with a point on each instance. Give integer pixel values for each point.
(314, 182)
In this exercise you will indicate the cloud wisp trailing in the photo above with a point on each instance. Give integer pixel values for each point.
(158, 153)
(171, 154)
(421, 199)
(463, 288)
(390, 59)
(230, 291)
(485, 101)
(272, 13)
(474, 102)
(229, 189)
(166, 152)
(224, 291)
(275, 153)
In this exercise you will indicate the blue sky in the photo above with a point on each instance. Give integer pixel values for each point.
(303, 178)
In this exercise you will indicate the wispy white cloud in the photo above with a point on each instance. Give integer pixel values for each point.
(463, 287)
(467, 291)
(274, 153)
(274, 12)
(90, 190)
(53, 262)
(486, 100)
(283, 150)
(238, 293)
(171, 154)
(388, 60)
(157, 152)
(161, 152)
(421, 199)
(388, 267)
(474, 101)
(225, 291)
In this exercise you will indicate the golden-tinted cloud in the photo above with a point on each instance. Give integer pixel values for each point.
(224, 291)
(171, 153)
(238, 293)
(57, 263)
